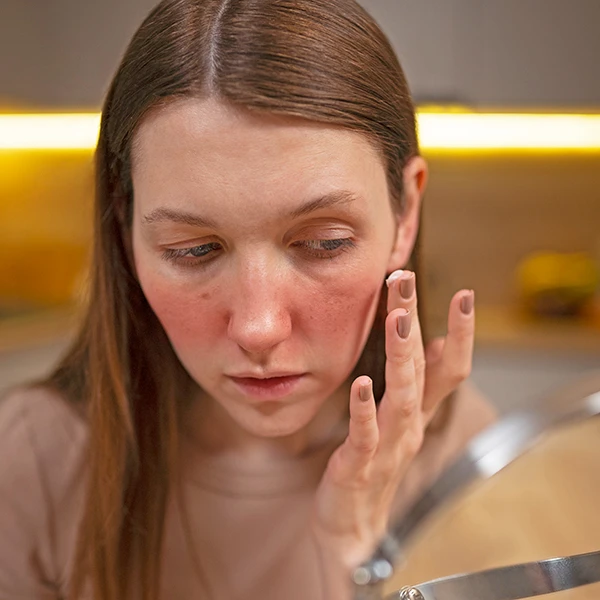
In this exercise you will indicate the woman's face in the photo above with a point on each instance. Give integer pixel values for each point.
(261, 243)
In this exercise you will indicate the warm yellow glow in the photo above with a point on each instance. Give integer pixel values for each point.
(506, 131)
(49, 131)
(438, 131)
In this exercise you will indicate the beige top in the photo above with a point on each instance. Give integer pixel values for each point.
(249, 528)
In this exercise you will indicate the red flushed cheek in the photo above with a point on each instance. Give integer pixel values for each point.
(331, 319)
(188, 318)
(342, 314)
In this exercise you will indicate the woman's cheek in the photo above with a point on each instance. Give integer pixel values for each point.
(183, 315)
(346, 310)
(337, 310)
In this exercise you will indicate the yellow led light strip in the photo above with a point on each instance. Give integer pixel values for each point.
(49, 131)
(444, 131)
(509, 131)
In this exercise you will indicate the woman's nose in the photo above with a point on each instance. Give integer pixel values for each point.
(259, 318)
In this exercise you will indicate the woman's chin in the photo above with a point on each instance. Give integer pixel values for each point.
(271, 421)
(274, 429)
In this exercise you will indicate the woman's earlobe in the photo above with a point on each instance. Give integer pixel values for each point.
(403, 247)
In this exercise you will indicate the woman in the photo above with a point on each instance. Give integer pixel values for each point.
(247, 403)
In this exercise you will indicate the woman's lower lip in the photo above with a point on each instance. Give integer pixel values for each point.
(274, 388)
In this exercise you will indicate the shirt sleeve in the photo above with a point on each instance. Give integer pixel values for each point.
(24, 510)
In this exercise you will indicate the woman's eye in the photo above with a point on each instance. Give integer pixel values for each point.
(329, 248)
(191, 256)
(326, 248)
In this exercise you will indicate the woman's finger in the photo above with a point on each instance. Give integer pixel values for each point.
(363, 433)
(454, 366)
(458, 349)
(402, 294)
(400, 408)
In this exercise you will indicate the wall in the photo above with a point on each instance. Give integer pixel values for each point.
(515, 52)
(483, 214)
(62, 53)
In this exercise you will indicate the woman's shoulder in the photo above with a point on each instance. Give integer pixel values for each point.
(42, 461)
(41, 416)
(42, 436)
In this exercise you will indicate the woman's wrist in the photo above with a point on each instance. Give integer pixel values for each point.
(334, 568)
(342, 554)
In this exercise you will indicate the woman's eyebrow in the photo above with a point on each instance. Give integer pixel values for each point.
(161, 215)
(335, 198)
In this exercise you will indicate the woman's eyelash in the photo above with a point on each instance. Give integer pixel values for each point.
(198, 252)
(328, 248)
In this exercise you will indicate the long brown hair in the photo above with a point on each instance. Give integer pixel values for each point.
(323, 60)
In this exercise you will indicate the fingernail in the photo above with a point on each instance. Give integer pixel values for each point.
(365, 391)
(467, 303)
(404, 325)
(395, 275)
(407, 286)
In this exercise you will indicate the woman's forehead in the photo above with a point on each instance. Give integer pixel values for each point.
(213, 134)
(197, 146)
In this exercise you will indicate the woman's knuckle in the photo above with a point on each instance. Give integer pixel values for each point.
(365, 444)
(402, 363)
(462, 372)
(457, 374)
(365, 418)
(463, 335)
(408, 407)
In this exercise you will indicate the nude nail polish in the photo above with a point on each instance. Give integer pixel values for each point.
(403, 325)
(467, 303)
(407, 286)
(366, 391)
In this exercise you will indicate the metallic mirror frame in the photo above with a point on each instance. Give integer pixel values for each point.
(487, 454)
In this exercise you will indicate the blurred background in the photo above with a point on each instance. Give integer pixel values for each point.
(519, 222)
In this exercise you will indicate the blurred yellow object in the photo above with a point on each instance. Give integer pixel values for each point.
(45, 227)
(557, 284)
(42, 273)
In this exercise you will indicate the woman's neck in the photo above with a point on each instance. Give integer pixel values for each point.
(215, 432)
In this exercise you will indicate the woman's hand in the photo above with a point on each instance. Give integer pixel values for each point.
(355, 495)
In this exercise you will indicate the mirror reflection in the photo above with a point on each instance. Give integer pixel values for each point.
(523, 493)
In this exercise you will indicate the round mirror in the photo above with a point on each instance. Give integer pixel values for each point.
(527, 490)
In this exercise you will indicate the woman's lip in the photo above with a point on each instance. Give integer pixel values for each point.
(272, 388)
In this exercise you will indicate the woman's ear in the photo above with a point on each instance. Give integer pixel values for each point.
(415, 175)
